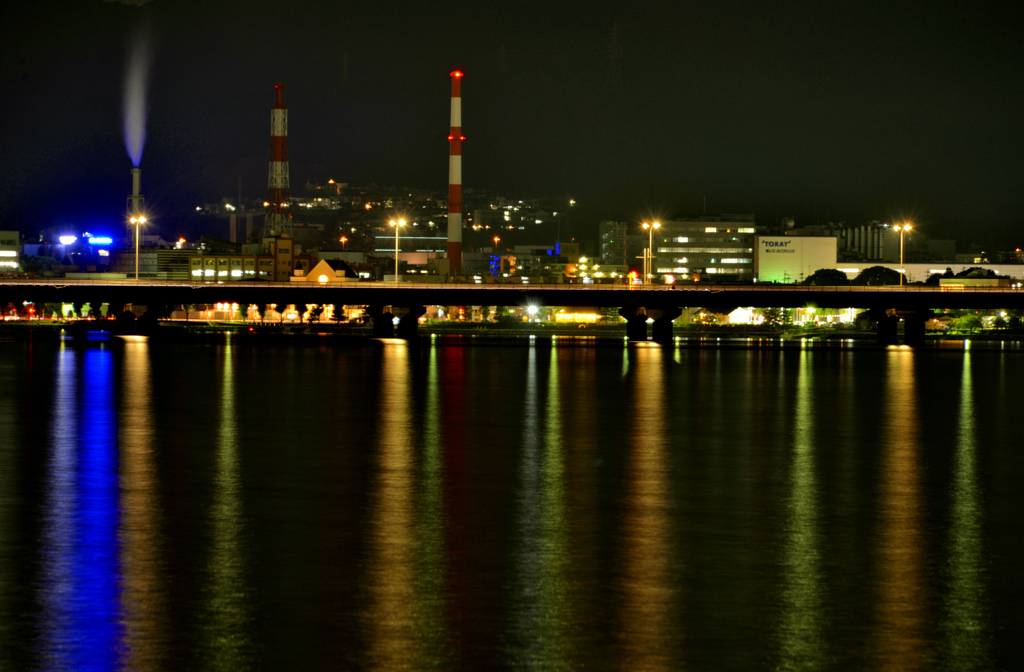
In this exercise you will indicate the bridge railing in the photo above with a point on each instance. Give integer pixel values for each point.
(573, 287)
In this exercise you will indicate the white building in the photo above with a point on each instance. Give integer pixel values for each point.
(792, 258)
(10, 248)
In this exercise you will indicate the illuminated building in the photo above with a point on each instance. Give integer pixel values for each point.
(9, 251)
(708, 247)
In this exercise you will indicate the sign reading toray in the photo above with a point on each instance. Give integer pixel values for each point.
(778, 246)
(793, 258)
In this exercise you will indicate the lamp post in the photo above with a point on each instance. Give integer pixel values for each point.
(649, 261)
(902, 229)
(137, 221)
(398, 225)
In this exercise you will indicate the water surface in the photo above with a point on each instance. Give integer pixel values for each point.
(550, 506)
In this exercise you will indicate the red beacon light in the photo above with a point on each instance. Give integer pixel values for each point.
(456, 73)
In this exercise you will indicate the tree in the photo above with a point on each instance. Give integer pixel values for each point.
(999, 322)
(968, 323)
(877, 275)
(773, 315)
(315, 312)
(976, 272)
(827, 277)
(933, 279)
(1014, 323)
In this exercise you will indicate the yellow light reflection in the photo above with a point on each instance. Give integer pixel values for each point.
(541, 618)
(393, 540)
(802, 642)
(965, 621)
(646, 619)
(430, 620)
(228, 608)
(141, 601)
(901, 642)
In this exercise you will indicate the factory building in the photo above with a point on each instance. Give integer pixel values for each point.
(708, 247)
(10, 250)
(613, 243)
(792, 258)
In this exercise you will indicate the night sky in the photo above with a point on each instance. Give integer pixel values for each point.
(842, 111)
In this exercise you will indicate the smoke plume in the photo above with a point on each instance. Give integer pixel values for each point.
(136, 82)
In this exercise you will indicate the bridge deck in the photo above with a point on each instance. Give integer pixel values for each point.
(145, 292)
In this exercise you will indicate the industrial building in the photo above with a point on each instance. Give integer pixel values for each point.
(708, 247)
(613, 243)
(10, 251)
(792, 258)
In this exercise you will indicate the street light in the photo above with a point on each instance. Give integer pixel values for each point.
(902, 229)
(649, 260)
(343, 240)
(398, 225)
(137, 221)
(496, 239)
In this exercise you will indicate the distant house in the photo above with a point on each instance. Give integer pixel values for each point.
(327, 272)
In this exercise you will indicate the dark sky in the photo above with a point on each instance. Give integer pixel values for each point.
(851, 111)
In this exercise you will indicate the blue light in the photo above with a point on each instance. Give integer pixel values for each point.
(101, 240)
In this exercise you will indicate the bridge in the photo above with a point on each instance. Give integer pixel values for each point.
(888, 304)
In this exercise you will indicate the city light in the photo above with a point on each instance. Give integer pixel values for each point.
(67, 240)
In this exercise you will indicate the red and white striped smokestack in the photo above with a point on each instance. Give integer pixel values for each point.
(455, 137)
(278, 192)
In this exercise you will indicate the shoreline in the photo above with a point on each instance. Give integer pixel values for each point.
(181, 331)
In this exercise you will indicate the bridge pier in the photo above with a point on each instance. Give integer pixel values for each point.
(888, 326)
(913, 326)
(383, 321)
(661, 331)
(913, 331)
(636, 322)
(408, 324)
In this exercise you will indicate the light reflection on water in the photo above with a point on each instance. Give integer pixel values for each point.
(392, 571)
(431, 628)
(142, 565)
(226, 609)
(803, 642)
(645, 620)
(540, 598)
(965, 623)
(901, 641)
(545, 507)
(80, 624)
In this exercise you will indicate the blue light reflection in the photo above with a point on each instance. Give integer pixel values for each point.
(81, 595)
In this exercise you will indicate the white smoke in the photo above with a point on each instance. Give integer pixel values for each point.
(136, 82)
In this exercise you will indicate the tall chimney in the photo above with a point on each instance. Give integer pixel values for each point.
(455, 137)
(136, 202)
(278, 191)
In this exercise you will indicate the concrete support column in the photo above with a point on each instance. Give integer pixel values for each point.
(408, 324)
(636, 322)
(887, 328)
(383, 321)
(661, 332)
(913, 331)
